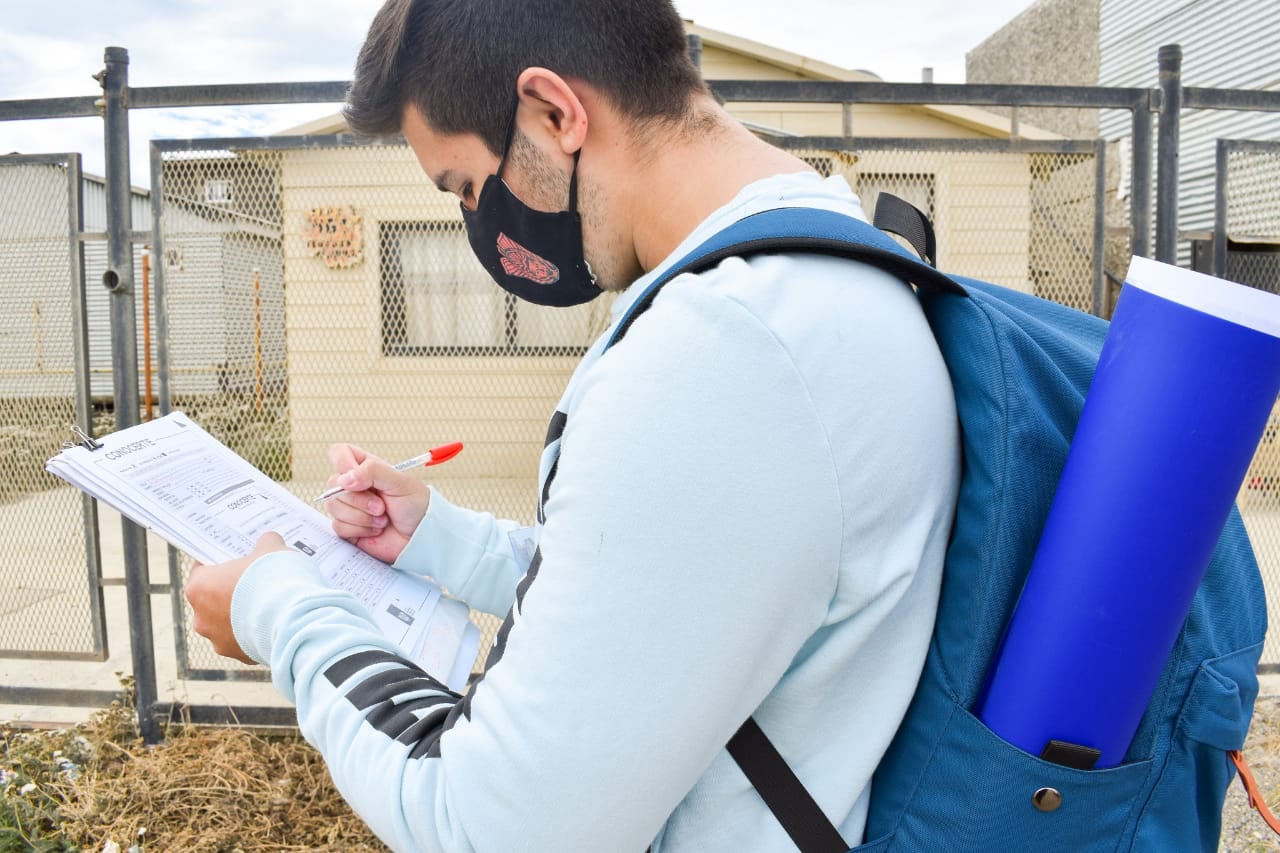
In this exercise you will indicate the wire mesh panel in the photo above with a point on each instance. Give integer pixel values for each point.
(322, 293)
(1253, 204)
(1259, 503)
(1019, 215)
(1253, 258)
(50, 595)
(1253, 214)
(220, 260)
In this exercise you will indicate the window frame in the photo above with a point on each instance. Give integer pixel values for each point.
(392, 314)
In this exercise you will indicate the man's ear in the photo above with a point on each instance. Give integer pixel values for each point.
(558, 111)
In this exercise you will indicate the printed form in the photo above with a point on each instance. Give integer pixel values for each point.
(175, 479)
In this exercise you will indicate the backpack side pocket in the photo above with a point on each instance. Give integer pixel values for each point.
(1186, 801)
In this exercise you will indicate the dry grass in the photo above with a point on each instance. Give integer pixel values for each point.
(222, 790)
(203, 789)
(1243, 831)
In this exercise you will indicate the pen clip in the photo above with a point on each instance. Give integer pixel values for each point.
(83, 439)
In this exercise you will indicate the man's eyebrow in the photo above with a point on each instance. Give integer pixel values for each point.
(445, 180)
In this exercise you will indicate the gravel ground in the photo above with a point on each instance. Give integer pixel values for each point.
(1243, 830)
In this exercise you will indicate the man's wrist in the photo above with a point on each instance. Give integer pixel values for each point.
(262, 596)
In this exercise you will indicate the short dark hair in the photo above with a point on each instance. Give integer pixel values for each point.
(457, 61)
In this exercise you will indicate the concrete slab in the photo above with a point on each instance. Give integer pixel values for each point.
(105, 674)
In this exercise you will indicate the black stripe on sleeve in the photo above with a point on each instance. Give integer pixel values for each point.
(350, 665)
(555, 429)
(389, 684)
(417, 722)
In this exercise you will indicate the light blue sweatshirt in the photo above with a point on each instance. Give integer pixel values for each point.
(751, 505)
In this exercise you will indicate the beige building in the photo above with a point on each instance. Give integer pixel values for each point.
(397, 340)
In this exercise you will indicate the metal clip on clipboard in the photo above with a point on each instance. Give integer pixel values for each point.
(82, 439)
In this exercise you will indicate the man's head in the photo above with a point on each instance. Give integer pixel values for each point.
(457, 61)
(454, 75)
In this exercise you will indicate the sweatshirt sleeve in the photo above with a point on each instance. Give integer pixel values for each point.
(680, 571)
(469, 553)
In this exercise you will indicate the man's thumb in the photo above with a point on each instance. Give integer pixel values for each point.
(270, 541)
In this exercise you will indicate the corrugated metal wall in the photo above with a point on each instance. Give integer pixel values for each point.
(54, 285)
(1225, 44)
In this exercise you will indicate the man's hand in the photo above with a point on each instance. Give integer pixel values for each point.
(209, 590)
(381, 507)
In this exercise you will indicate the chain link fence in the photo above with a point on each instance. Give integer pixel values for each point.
(50, 591)
(320, 289)
(1252, 221)
(1248, 213)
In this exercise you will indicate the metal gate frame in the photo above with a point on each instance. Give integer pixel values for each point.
(1222, 188)
(1225, 148)
(118, 98)
(158, 148)
(84, 420)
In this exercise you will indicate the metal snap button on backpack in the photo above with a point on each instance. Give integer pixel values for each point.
(1047, 799)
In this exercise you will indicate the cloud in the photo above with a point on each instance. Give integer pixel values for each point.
(177, 43)
(186, 42)
(888, 39)
(37, 66)
(182, 42)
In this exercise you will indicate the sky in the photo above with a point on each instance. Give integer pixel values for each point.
(182, 42)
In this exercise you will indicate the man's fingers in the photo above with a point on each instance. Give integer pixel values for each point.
(365, 511)
(351, 504)
(349, 530)
(343, 457)
(375, 474)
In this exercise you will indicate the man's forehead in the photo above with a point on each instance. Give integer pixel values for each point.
(448, 159)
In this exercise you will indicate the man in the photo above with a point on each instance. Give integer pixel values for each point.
(745, 503)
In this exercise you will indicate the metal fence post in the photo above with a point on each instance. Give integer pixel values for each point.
(118, 279)
(84, 392)
(695, 50)
(1100, 229)
(160, 303)
(1220, 210)
(1170, 128)
(1140, 206)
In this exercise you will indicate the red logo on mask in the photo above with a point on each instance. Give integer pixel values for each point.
(520, 262)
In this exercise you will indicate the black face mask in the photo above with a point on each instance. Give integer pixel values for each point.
(535, 255)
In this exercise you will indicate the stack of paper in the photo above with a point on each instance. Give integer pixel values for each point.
(175, 479)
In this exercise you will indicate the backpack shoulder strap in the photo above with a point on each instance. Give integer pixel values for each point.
(783, 792)
(798, 229)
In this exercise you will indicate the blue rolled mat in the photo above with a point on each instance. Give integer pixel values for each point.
(1187, 378)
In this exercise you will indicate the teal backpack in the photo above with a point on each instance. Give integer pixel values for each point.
(1021, 367)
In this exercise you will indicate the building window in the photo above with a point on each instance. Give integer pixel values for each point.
(438, 301)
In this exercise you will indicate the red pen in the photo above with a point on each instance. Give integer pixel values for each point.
(434, 456)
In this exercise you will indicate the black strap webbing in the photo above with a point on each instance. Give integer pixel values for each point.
(908, 222)
(782, 792)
